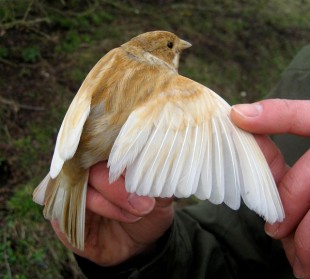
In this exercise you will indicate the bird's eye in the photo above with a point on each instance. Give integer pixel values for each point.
(170, 44)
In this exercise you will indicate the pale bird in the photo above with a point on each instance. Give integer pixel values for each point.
(172, 135)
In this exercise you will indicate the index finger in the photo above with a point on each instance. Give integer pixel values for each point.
(294, 190)
(116, 193)
(274, 116)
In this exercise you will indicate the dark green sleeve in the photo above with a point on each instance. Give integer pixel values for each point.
(206, 241)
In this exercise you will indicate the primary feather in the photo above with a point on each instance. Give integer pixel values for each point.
(172, 135)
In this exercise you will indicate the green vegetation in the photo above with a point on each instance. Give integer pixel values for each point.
(47, 48)
(31, 54)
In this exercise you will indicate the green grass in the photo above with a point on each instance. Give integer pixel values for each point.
(47, 48)
(28, 247)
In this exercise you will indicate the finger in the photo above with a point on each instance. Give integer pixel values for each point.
(289, 248)
(156, 223)
(294, 190)
(274, 116)
(116, 194)
(273, 157)
(297, 248)
(97, 204)
(301, 263)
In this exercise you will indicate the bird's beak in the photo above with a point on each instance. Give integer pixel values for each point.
(184, 45)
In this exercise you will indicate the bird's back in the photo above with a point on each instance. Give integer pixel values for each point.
(120, 83)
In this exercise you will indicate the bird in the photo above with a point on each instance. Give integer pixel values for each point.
(171, 135)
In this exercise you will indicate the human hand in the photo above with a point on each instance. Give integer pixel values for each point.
(278, 117)
(118, 225)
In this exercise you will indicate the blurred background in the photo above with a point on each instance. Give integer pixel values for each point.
(47, 47)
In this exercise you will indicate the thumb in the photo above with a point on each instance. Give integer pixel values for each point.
(273, 116)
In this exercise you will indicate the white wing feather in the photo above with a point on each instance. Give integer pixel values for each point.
(188, 146)
(70, 131)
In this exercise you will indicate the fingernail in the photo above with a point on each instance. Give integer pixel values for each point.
(140, 203)
(248, 110)
(272, 230)
(298, 268)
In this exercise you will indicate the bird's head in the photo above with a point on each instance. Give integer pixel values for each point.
(162, 44)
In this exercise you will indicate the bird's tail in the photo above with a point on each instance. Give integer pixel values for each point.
(66, 203)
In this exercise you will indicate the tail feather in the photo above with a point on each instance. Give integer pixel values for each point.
(38, 195)
(66, 203)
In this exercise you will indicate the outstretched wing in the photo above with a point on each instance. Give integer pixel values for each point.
(182, 142)
(70, 131)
